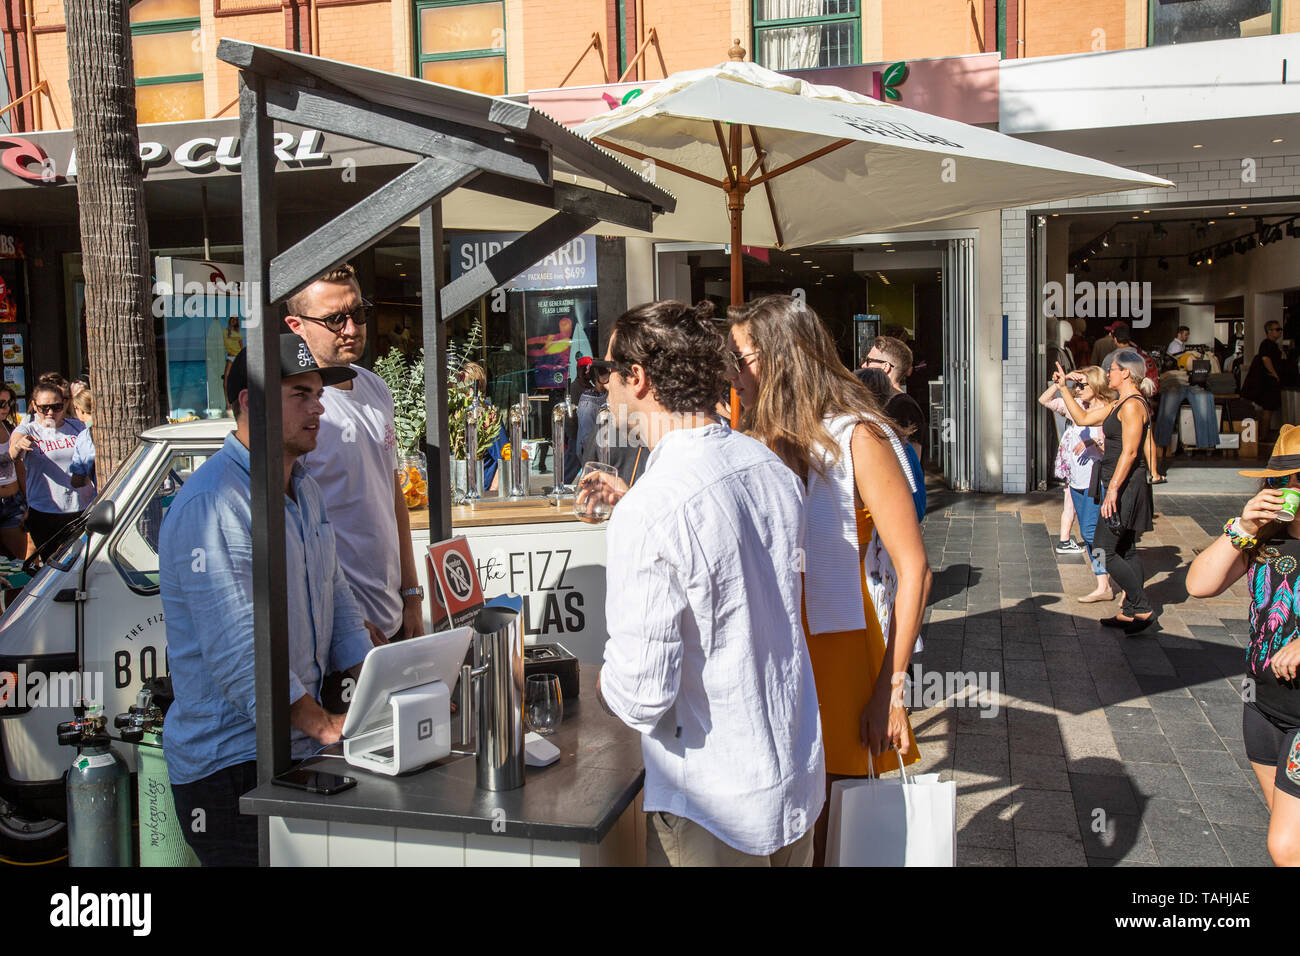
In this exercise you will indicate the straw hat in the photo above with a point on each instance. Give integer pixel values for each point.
(1285, 459)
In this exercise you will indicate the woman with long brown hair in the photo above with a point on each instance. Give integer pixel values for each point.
(866, 577)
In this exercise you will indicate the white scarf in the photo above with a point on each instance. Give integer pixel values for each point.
(832, 588)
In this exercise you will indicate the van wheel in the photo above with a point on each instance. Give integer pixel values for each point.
(30, 838)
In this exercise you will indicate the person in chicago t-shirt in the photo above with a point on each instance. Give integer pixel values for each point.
(1263, 545)
(45, 443)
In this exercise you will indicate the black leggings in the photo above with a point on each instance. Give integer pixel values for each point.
(1121, 561)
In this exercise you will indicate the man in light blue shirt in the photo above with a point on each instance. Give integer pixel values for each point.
(206, 578)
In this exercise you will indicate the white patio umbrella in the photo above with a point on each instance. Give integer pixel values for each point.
(824, 163)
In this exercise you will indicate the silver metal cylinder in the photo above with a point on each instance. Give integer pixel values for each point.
(559, 442)
(518, 470)
(499, 651)
(604, 438)
(473, 474)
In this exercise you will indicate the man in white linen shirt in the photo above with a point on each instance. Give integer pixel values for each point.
(706, 656)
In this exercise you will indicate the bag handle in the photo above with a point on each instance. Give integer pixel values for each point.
(902, 771)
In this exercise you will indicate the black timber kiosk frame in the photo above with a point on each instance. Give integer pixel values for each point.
(457, 139)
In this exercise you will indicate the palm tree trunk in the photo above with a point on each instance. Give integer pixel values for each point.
(114, 230)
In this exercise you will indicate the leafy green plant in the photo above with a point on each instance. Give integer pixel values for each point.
(405, 379)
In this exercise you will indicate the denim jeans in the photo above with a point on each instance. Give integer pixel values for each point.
(1202, 402)
(1087, 511)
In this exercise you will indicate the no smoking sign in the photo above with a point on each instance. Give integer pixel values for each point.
(455, 591)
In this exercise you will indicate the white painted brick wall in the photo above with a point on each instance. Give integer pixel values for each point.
(1209, 181)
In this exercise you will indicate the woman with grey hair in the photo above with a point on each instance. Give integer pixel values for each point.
(1120, 484)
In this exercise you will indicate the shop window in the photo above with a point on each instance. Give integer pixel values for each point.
(462, 44)
(1187, 21)
(806, 34)
(168, 60)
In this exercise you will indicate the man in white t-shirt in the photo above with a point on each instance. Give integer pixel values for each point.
(46, 443)
(355, 461)
(1179, 344)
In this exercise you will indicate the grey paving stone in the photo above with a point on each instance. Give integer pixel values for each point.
(1114, 837)
(1191, 735)
(1041, 848)
(1022, 650)
(1132, 720)
(1177, 709)
(984, 856)
(1039, 771)
(1245, 846)
(1044, 810)
(1144, 748)
(1159, 781)
(1113, 794)
(1209, 766)
(1234, 806)
(986, 829)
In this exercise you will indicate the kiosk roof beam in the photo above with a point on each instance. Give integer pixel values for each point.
(569, 197)
(424, 136)
(528, 249)
(365, 223)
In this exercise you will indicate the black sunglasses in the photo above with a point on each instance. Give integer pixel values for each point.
(601, 369)
(1278, 481)
(48, 409)
(359, 315)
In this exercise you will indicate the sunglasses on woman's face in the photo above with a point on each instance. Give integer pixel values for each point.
(1279, 481)
(48, 409)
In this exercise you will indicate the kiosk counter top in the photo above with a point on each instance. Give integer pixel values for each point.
(500, 515)
(584, 802)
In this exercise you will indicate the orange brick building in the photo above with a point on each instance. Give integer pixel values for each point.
(513, 46)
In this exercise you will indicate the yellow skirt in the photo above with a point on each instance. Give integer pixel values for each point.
(845, 665)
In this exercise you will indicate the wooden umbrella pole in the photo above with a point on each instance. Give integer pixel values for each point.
(736, 189)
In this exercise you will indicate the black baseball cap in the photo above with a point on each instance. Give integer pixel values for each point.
(295, 359)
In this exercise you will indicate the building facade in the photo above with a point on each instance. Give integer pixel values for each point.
(1195, 91)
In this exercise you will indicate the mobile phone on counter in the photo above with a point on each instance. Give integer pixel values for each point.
(313, 781)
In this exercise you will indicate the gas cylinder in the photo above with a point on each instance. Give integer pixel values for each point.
(99, 797)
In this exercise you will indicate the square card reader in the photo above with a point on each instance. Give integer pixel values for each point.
(400, 716)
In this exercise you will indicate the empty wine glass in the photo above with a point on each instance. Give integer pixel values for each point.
(594, 491)
(543, 704)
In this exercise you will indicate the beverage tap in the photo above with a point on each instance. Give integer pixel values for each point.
(473, 475)
(518, 470)
(559, 443)
(604, 424)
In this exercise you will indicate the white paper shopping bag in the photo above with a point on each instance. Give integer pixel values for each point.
(903, 821)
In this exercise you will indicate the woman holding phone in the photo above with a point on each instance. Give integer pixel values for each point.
(1080, 451)
(1120, 483)
(866, 576)
(1263, 545)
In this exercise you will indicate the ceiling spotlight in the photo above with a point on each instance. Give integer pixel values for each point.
(1198, 146)
(1278, 140)
(1211, 222)
(1163, 263)
(1209, 260)
(1137, 217)
(1232, 214)
(1105, 241)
